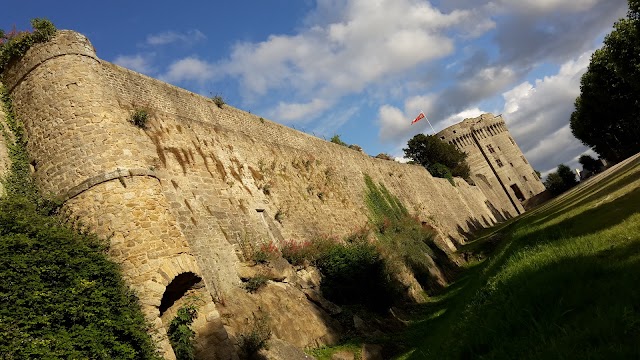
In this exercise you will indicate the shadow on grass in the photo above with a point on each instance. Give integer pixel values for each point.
(577, 308)
(590, 192)
(592, 220)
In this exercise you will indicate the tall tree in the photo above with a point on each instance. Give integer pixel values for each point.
(561, 180)
(429, 150)
(607, 110)
(590, 164)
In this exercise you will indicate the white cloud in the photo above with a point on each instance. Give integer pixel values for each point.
(395, 124)
(169, 37)
(456, 118)
(189, 69)
(547, 6)
(332, 121)
(139, 63)
(538, 115)
(349, 46)
(297, 111)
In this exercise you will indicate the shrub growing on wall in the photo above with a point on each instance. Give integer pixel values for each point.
(14, 44)
(180, 333)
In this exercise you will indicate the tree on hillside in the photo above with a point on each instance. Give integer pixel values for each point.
(607, 111)
(433, 153)
(590, 164)
(561, 180)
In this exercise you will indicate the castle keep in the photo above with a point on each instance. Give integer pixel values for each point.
(497, 164)
(182, 199)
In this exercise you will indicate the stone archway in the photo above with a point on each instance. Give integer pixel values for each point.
(178, 288)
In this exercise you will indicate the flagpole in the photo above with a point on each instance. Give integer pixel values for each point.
(425, 116)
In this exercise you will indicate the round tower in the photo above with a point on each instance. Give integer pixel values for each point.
(497, 164)
(84, 151)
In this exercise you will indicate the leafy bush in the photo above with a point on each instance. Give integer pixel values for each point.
(62, 297)
(301, 252)
(561, 180)
(180, 334)
(14, 45)
(265, 253)
(256, 336)
(384, 156)
(218, 100)
(441, 171)
(336, 140)
(427, 150)
(355, 273)
(255, 283)
(403, 238)
(139, 118)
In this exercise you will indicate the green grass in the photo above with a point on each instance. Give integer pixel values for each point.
(561, 283)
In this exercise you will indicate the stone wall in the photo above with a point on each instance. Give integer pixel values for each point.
(194, 190)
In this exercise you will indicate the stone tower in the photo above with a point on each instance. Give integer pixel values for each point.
(497, 163)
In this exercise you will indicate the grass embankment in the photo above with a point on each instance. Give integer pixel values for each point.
(561, 282)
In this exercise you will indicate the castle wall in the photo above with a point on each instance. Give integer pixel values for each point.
(218, 167)
(192, 190)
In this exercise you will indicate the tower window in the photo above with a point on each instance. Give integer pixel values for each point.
(525, 178)
(523, 159)
(490, 148)
(499, 162)
(513, 142)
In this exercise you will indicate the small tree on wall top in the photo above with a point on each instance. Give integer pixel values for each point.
(428, 150)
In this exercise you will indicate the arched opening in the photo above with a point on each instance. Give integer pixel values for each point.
(177, 288)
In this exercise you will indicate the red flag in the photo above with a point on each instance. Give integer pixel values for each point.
(420, 117)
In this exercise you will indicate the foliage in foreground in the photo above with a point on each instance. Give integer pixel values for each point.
(607, 111)
(180, 334)
(561, 285)
(62, 297)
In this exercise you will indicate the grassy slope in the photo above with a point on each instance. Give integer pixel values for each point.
(562, 283)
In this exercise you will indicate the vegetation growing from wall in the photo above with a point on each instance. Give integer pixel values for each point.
(139, 118)
(61, 296)
(180, 334)
(405, 240)
(14, 44)
(336, 140)
(218, 100)
(255, 336)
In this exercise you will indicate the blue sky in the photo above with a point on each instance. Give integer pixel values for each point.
(362, 69)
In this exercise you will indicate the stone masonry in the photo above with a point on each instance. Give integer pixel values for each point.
(200, 184)
(497, 164)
